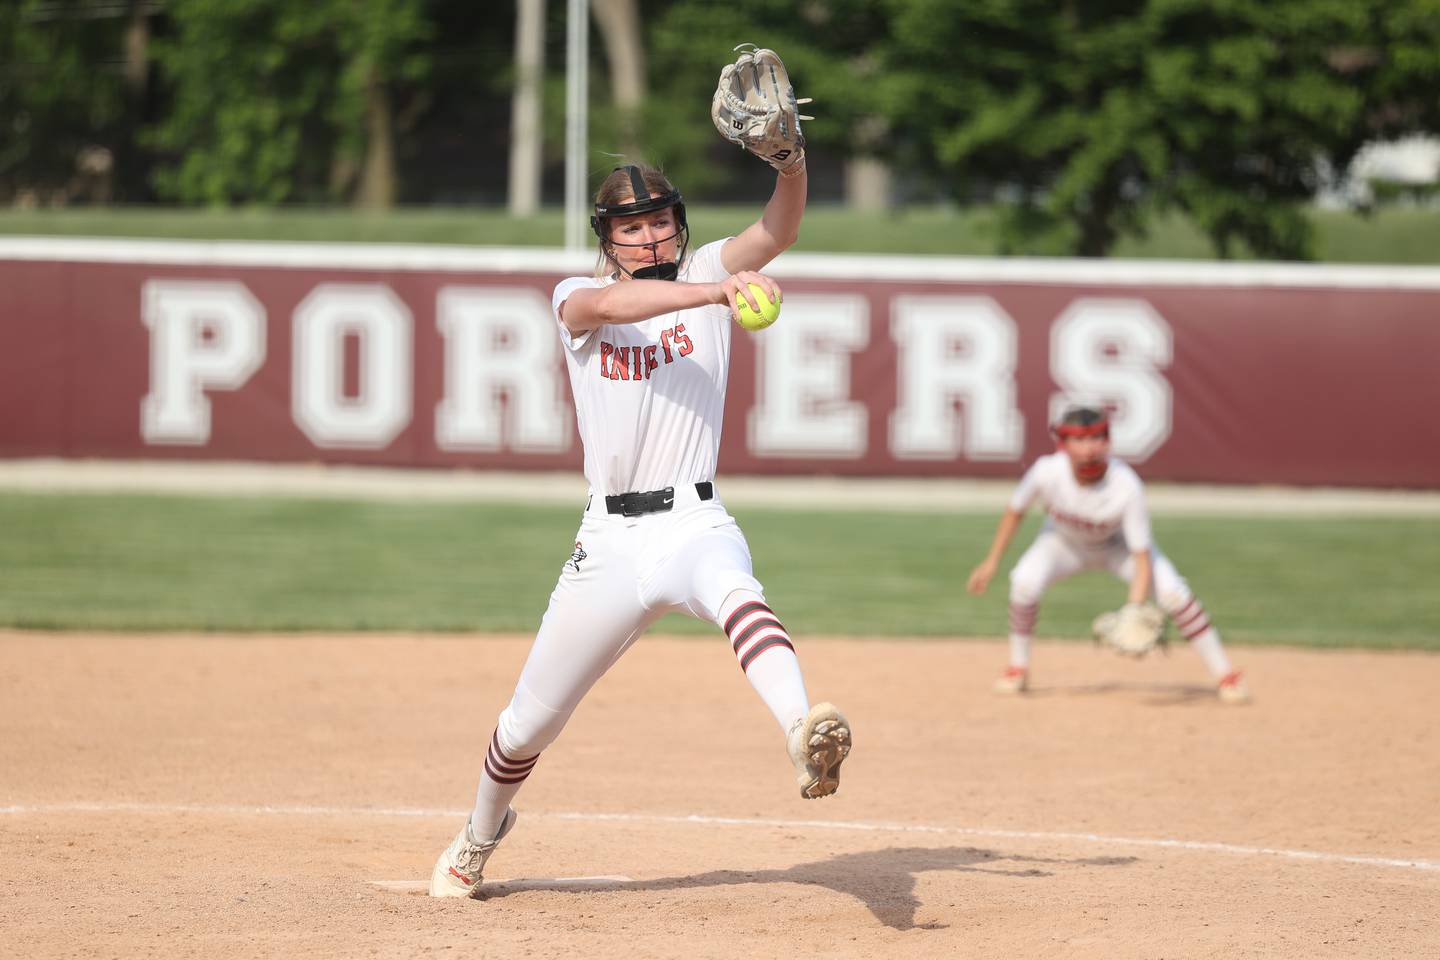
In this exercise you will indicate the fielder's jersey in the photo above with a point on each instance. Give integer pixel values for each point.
(1088, 515)
(650, 396)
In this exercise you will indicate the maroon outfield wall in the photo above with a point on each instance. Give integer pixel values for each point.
(426, 356)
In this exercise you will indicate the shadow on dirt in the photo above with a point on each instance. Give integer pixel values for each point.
(883, 880)
(1151, 694)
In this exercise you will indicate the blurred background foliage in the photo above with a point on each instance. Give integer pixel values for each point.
(1075, 126)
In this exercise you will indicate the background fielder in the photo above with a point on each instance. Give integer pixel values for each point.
(1096, 519)
(647, 348)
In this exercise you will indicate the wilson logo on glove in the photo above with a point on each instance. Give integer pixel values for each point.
(754, 107)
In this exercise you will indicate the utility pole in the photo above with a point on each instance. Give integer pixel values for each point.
(525, 133)
(577, 62)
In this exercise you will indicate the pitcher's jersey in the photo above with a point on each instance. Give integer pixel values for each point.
(650, 396)
(1088, 515)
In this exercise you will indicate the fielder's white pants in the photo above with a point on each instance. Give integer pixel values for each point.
(1052, 558)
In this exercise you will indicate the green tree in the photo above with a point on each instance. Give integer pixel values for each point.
(61, 94)
(276, 101)
(827, 49)
(1093, 114)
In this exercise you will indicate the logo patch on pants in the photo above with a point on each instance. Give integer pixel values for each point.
(574, 562)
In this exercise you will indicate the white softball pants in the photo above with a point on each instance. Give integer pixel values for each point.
(627, 572)
(1052, 558)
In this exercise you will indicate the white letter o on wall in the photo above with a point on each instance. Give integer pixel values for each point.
(384, 327)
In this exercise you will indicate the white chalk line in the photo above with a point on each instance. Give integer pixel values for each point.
(303, 810)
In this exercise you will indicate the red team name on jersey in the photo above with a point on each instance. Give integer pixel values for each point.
(637, 362)
(1091, 526)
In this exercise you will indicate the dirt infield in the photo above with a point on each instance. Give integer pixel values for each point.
(241, 797)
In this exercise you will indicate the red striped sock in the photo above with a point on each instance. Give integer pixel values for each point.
(765, 654)
(1191, 619)
(504, 769)
(1023, 617)
(753, 628)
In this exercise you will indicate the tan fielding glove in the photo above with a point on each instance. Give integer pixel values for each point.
(1133, 630)
(754, 106)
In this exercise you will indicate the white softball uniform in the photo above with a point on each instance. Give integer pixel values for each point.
(650, 396)
(1099, 526)
(1087, 527)
(649, 400)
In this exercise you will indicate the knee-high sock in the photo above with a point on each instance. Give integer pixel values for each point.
(502, 778)
(766, 655)
(1194, 625)
(1023, 617)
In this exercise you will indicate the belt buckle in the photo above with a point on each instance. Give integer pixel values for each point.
(632, 505)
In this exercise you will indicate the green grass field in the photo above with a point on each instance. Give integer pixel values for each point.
(133, 562)
(1394, 235)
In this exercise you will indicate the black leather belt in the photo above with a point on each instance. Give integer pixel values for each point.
(652, 501)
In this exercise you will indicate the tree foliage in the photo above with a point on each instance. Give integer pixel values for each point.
(827, 49)
(60, 92)
(270, 97)
(1083, 119)
(1094, 113)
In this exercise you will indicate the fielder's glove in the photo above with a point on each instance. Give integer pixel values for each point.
(755, 107)
(1133, 630)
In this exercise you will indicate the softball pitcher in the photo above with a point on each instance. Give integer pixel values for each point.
(1096, 519)
(647, 347)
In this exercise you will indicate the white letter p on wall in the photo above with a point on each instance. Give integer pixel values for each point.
(204, 335)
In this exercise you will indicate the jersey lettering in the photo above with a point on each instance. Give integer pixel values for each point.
(682, 341)
(633, 439)
(641, 362)
(1088, 525)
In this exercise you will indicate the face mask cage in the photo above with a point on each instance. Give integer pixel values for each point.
(644, 202)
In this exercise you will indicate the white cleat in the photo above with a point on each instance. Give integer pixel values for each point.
(1232, 689)
(458, 871)
(1014, 680)
(818, 744)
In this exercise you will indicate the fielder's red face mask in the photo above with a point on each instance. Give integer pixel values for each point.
(1088, 448)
